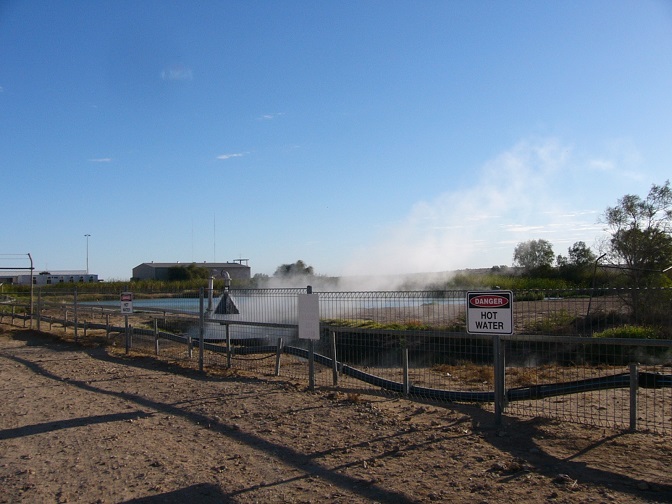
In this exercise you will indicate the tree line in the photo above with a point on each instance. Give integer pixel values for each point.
(638, 252)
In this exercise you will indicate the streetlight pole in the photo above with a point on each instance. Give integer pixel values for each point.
(87, 252)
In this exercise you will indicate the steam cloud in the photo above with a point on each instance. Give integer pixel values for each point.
(515, 198)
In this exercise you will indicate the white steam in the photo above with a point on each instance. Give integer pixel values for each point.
(515, 197)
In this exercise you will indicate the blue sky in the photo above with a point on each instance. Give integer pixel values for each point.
(363, 137)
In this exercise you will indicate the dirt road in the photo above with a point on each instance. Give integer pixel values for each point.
(85, 424)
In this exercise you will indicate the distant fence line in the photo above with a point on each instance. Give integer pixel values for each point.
(408, 343)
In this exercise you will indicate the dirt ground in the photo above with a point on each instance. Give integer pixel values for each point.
(88, 424)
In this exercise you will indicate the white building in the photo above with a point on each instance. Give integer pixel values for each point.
(55, 277)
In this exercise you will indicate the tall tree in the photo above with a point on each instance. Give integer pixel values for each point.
(580, 255)
(641, 241)
(640, 247)
(533, 255)
(578, 266)
(299, 268)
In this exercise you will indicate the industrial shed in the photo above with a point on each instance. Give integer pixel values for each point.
(159, 271)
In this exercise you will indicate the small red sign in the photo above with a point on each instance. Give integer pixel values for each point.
(488, 301)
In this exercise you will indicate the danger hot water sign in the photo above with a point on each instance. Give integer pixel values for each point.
(490, 312)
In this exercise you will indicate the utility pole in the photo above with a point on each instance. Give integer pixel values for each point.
(87, 252)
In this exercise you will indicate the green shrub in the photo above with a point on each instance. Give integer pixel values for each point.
(622, 354)
(560, 322)
(630, 332)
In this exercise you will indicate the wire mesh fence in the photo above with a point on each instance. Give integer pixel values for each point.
(593, 357)
(602, 382)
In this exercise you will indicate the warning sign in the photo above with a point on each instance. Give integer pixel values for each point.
(126, 303)
(490, 312)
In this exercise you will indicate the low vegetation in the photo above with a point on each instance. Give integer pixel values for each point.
(631, 332)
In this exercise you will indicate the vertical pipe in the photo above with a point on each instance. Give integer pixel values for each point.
(334, 360)
(107, 325)
(634, 386)
(211, 288)
(278, 354)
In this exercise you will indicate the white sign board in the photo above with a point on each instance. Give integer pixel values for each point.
(126, 303)
(490, 312)
(309, 316)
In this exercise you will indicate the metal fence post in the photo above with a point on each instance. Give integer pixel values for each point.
(407, 380)
(334, 361)
(228, 346)
(634, 386)
(500, 383)
(128, 334)
(39, 309)
(311, 365)
(156, 336)
(76, 320)
(201, 329)
(311, 354)
(278, 354)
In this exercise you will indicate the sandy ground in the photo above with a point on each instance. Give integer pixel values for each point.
(86, 424)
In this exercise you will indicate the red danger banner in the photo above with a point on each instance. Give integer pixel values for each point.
(489, 301)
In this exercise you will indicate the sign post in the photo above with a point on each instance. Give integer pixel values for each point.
(309, 328)
(126, 303)
(491, 312)
(126, 300)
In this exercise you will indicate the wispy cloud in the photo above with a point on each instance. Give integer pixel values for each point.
(229, 156)
(601, 164)
(177, 73)
(270, 117)
(519, 228)
(100, 160)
